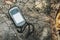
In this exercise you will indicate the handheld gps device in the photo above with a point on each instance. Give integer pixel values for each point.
(17, 17)
(20, 21)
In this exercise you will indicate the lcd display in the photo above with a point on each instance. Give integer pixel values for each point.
(18, 18)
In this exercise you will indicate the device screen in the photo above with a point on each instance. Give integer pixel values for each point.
(16, 15)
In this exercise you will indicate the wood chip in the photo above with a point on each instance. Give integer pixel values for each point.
(9, 1)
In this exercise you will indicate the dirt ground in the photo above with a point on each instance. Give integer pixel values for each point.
(41, 13)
